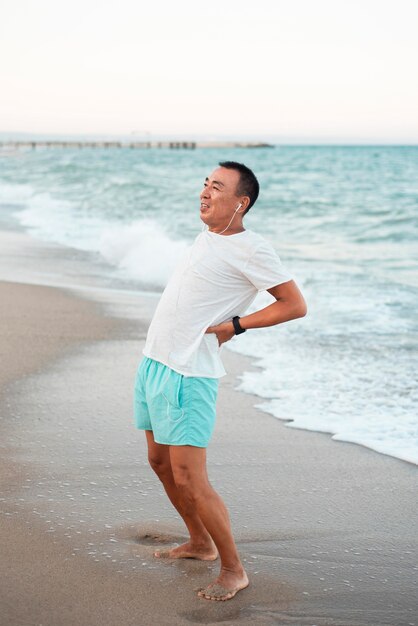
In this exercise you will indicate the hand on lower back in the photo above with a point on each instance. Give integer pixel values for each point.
(224, 331)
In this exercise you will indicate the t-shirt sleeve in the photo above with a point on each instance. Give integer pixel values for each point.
(264, 268)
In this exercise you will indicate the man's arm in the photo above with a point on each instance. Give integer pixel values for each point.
(290, 304)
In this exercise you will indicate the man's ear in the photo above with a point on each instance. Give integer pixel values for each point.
(245, 201)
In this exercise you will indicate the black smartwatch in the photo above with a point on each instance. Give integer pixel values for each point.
(237, 326)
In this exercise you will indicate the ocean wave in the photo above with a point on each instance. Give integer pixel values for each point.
(142, 249)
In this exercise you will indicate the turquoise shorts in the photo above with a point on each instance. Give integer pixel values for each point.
(180, 410)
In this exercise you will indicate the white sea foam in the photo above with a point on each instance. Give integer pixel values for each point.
(15, 194)
(142, 250)
(365, 394)
(56, 220)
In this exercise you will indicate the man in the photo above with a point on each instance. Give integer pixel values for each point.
(177, 380)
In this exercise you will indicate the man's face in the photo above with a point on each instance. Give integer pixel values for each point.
(218, 199)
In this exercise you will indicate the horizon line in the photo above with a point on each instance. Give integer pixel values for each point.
(209, 137)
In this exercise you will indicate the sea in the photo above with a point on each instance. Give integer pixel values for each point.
(344, 222)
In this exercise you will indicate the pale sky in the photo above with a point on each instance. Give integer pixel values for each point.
(303, 70)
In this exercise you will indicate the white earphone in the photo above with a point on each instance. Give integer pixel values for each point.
(237, 209)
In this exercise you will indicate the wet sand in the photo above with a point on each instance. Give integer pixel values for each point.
(327, 530)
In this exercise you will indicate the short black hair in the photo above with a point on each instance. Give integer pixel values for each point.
(248, 184)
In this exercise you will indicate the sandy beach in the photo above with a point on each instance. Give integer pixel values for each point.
(327, 530)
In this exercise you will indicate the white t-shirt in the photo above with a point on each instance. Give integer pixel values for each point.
(217, 278)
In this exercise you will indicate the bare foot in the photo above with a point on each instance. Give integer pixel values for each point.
(226, 586)
(189, 550)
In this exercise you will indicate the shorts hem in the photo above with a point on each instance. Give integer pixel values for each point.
(165, 443)
(185, 443)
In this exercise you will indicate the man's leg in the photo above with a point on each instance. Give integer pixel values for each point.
(200, 545)
(188, 464)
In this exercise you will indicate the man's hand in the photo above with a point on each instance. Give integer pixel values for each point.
(224, 331)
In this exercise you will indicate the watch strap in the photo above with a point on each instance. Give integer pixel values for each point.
(237, 326)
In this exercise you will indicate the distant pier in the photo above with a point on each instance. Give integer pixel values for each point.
(174, 145)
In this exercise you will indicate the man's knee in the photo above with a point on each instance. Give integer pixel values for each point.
(160, 465)
(189, 483)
